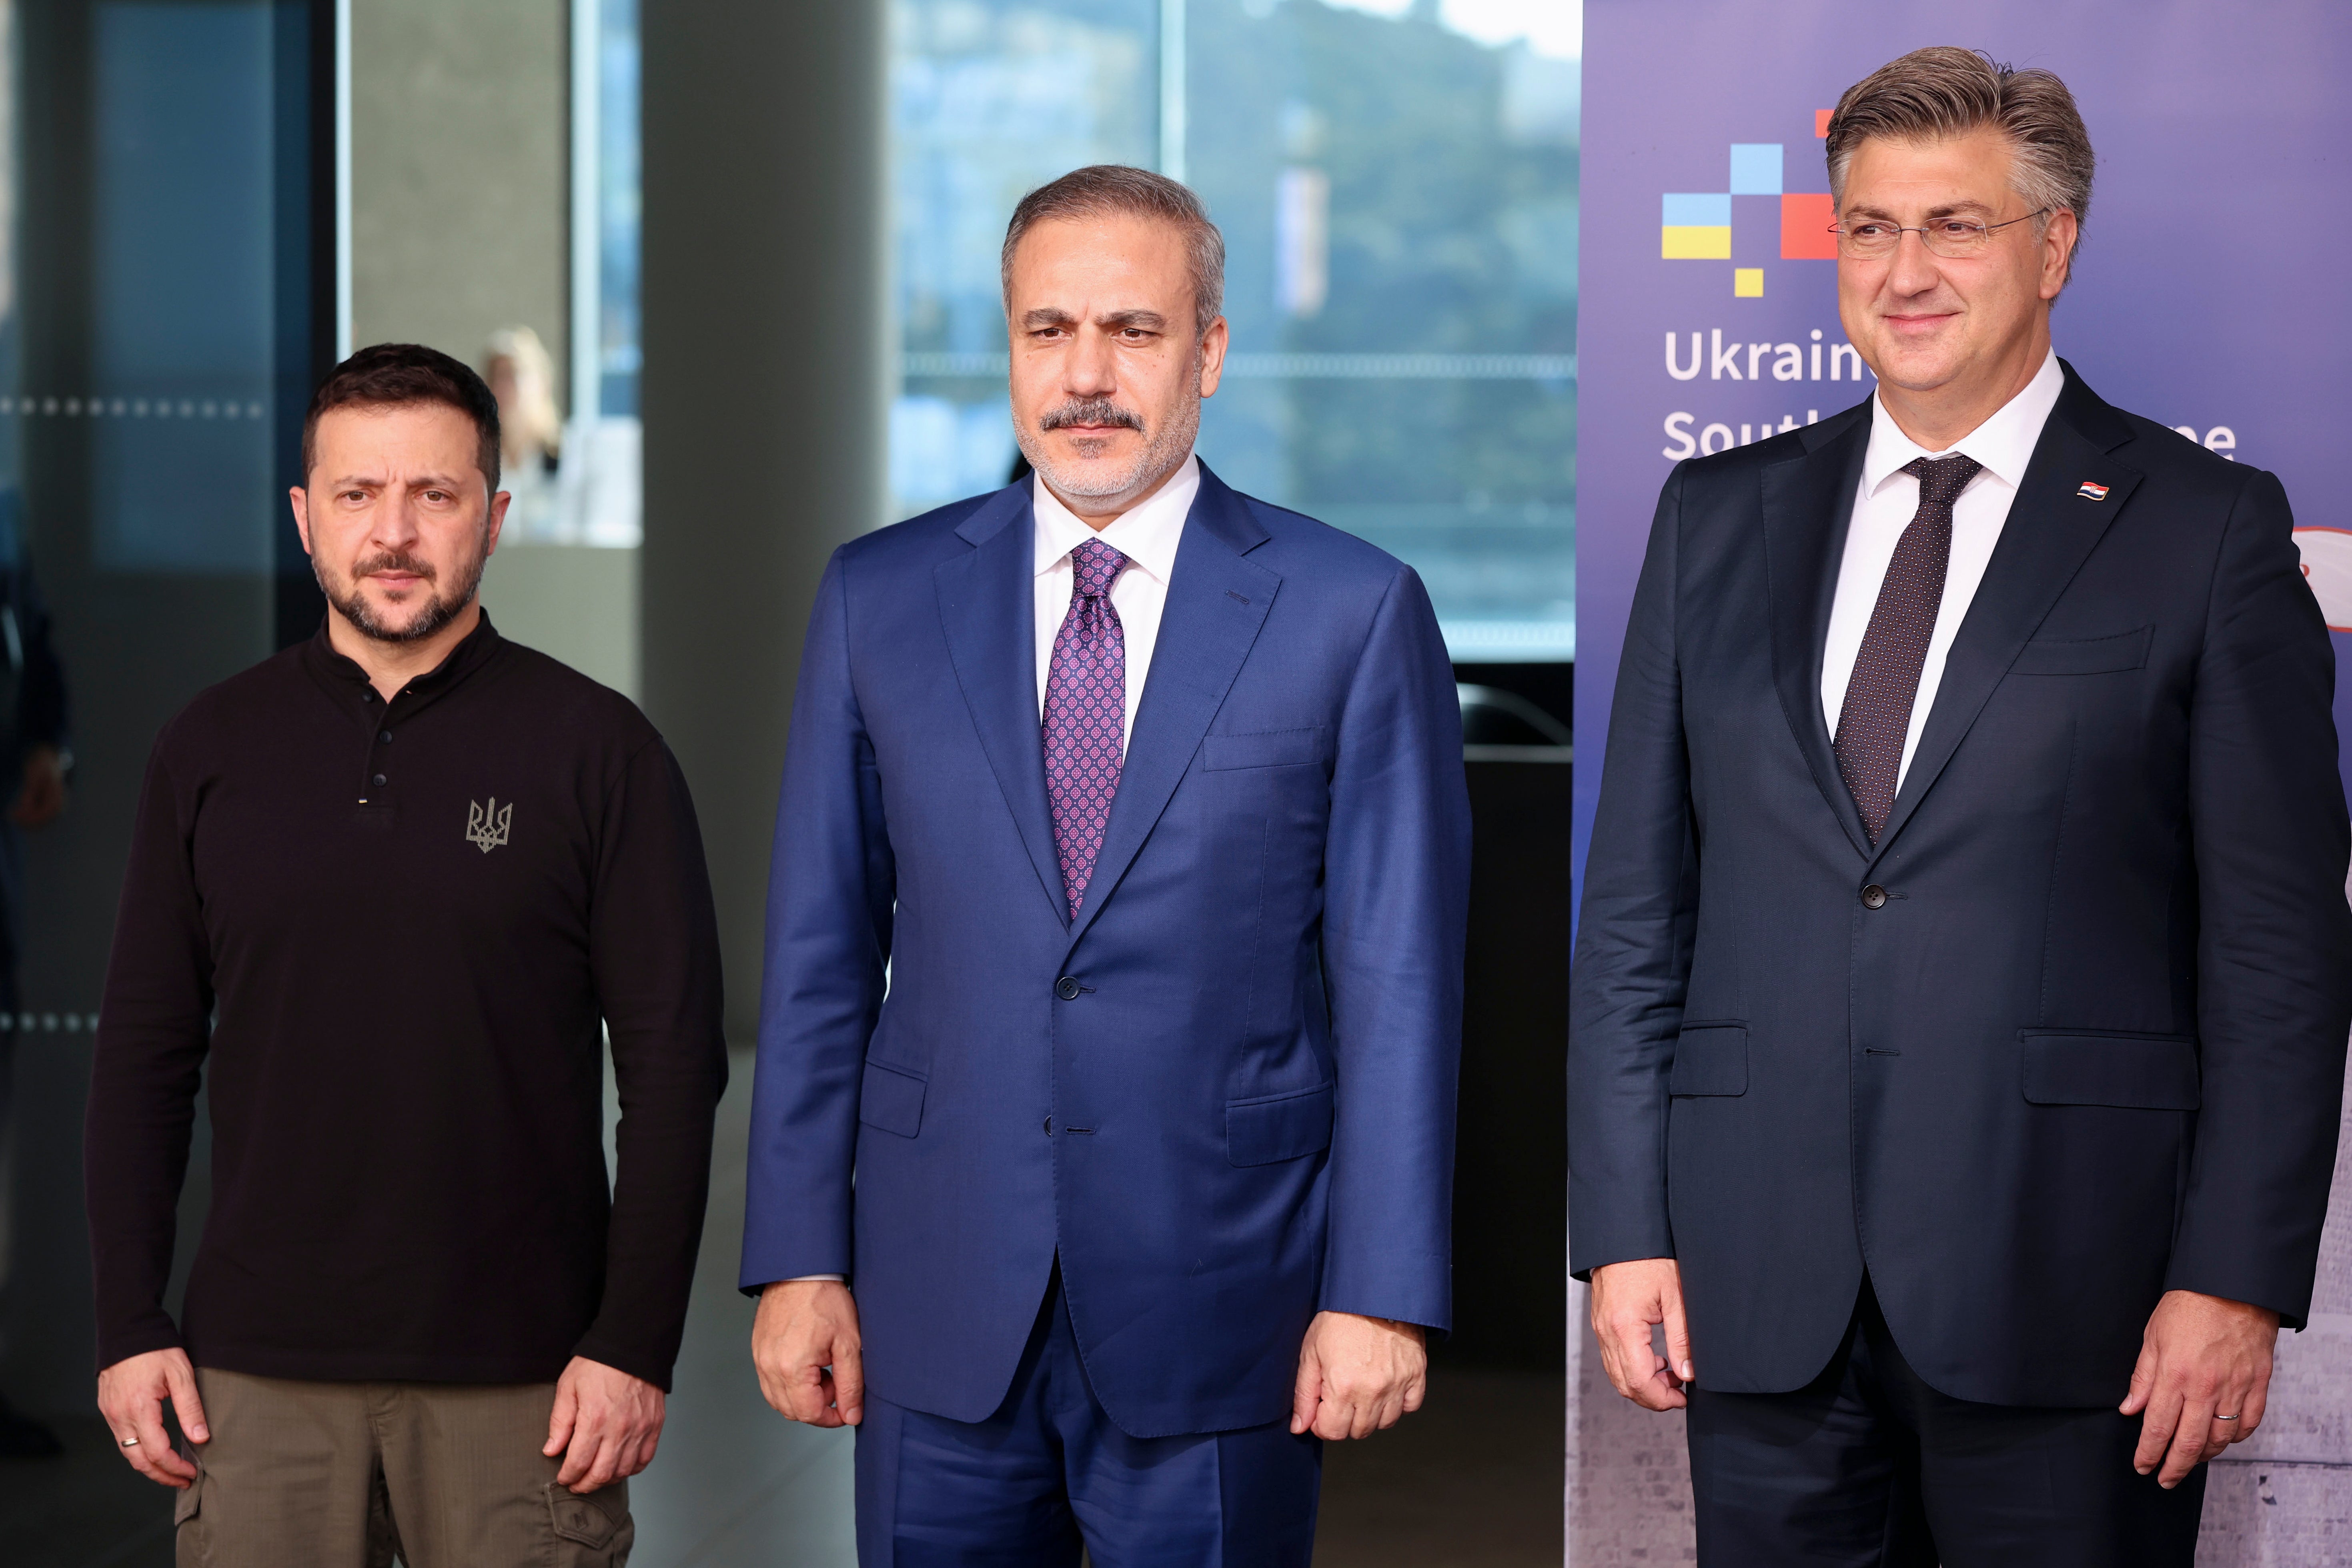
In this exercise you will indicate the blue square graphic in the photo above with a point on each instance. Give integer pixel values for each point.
(1698, 212)
(1756, 168)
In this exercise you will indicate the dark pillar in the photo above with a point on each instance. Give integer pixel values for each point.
(763, 393)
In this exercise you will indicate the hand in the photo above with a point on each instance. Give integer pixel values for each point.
(1628, 1300)
(1358, 1375)
(605, 1424)
(43, 794)
(131, 1395)
(2203, 1357)
(804, 1343)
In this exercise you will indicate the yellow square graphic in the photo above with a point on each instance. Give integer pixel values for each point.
(1748, 283)
(1696, 242)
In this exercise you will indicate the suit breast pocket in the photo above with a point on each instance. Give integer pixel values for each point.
(1710, 1060)
(2085, 656)
(1261, 749)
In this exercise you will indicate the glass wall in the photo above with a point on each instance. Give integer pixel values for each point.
(164, 300)
(1397, 184)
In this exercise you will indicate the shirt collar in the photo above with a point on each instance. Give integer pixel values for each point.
(2005, 444)
(468, 655)
(1146, 534)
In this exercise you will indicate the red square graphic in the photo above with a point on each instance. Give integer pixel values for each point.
(1805, 220)
(1822, 122)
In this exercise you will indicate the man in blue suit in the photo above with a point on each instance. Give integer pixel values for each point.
(1114, 945)
(1962, 991)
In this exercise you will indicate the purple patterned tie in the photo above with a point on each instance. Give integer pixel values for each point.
(1085, 716)
(1876, 715)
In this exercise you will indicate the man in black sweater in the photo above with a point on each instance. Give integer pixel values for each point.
(387, 886)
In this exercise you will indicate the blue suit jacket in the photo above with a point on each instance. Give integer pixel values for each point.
(1241, 1110)
(2088, 1046)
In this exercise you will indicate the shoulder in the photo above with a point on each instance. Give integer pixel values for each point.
(2181, 466)
(549, 696)
(1332, 558)
(1742, 466)
(921, 541)
(253, 696)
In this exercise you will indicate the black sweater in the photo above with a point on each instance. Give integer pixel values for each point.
(390, 936)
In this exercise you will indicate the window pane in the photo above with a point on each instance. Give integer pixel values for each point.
(1397, 184)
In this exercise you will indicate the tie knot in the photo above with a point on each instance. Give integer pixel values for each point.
(1094, 564)
(1941, 480)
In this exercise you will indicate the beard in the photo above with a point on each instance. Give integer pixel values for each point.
(1161, 451)
(438, 610)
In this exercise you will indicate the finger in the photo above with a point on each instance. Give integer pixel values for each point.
(2252, 1405)
(1416, 1393)
(153, 1455)
(2161, 1408)
(2143, 1383)
(603, 1468)
(561, 1419)
(1307, 1391)
(587, 1437)
(1331, 1421)
(1678, 1345)
(1631, 1369)
(187, 1404)
(2188, 1447)
(850, 1384)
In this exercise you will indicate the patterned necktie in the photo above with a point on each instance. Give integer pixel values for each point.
(1085, 716)
(1876, 715)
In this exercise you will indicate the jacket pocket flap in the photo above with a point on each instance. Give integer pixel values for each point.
(2137, 1072)
(1261, 749)
(1282, 1127)
(1710, 1059)
(2085, 655)
(892, 1100)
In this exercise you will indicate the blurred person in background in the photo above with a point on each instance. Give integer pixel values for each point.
(1137, 1188)
(521, 376)
(388, 891)
(37, 760)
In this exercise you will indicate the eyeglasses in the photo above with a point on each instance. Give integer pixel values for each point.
(1957, 239)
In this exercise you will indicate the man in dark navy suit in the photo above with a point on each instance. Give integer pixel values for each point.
(1114, 945)
(1964, 972)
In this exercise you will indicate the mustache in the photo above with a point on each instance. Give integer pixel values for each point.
(393, 561)
(1091, 411)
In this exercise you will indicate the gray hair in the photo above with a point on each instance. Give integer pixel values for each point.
(1933, 93)
(1104, 190)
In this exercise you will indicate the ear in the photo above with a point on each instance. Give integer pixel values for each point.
(2058, 242)
(301, 500)
(498, 519)
(1213, 356)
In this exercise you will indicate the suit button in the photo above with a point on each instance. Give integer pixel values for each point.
(1873, 897)
(1066, 989)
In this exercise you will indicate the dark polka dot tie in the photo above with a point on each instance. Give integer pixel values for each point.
(1876, 715)
(1085, 716)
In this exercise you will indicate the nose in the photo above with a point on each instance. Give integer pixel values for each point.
(1090, 370)
(1912, 268)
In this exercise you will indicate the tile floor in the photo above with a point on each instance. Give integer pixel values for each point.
(1474, 1481)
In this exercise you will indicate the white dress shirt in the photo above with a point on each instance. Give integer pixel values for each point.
(1884, 507)
(1147, 535)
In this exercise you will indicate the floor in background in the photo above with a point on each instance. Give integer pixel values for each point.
(1472, 1481)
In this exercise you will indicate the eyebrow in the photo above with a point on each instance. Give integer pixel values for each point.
(370, 482)
(1115, 321)
(1945, 209)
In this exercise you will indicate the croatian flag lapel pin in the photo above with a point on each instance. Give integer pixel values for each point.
(2090, 491)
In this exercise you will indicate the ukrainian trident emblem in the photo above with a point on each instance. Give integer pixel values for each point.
(485, 825)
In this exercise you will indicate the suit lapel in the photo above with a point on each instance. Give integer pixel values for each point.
(2050, 533)
(987, 606)
(1808, 504)
(1217, 600)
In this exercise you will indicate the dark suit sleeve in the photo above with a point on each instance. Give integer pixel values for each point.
(153, 1033)
(830, 889)
(654, 950)
(2275, 936)
(1634, 938)
(1396, 911)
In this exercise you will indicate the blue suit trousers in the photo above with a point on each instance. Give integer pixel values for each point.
(1050, 1471)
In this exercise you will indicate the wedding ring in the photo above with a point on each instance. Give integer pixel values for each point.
(2228, 1418)
(131, 1442)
